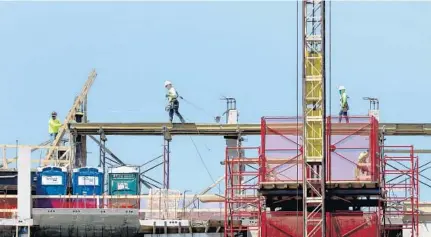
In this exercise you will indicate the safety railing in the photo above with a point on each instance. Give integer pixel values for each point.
(353, 149)
(9, 155)
(281, 149)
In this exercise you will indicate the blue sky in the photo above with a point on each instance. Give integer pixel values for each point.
(242, 49)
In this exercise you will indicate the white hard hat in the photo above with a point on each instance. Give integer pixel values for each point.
(167, 83)
(341, 88)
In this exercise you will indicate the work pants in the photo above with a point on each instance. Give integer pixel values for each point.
(174, 107)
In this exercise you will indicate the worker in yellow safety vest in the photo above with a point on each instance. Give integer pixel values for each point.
(344, 106)
(53, 126)
(173, 103)
(362, 167)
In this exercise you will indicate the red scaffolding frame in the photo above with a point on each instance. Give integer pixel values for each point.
(281, 150)
(353, 152)
(242, 204)
(400, 176)
(281, 161)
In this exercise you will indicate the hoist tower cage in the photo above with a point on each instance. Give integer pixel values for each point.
(314, 114)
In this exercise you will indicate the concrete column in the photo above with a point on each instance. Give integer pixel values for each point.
(232, 118)
(80, 144)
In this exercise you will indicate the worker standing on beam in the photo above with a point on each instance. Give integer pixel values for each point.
(174, 104)
(344, 105)
(53, 126)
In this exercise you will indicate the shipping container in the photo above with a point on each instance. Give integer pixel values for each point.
(87, 181)
(123, 181)
(51, 180)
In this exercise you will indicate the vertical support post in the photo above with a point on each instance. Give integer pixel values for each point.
(81, 140)
(24, 195)
(234, 141)
(167, 138)
(232, 169)
(381, 168)
(83, 137)
(314, 112)
(102, 158)
(80, 160)
(166, 171)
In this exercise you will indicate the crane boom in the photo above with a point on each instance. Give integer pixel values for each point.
(80, 99)
(313, 86)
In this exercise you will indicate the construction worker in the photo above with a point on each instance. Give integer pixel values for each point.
(344, 106)
(362, 166)
(174, 104)
(53, 126)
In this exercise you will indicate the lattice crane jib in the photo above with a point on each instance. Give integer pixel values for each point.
(314, 118)
(80, 101)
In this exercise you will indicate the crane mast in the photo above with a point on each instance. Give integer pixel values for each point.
(313, 84)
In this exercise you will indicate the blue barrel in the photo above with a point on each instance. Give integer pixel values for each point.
(51, 180)
(87, 181)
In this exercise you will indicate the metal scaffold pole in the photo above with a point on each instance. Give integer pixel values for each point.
(166, 153)
(102, 158)
(314, 118)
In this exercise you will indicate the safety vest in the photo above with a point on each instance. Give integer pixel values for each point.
(53, 125)
(172, 94)
(343, 98)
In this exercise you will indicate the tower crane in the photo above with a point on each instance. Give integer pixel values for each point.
(314, 114)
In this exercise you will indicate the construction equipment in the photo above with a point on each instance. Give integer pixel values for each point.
(72, 112)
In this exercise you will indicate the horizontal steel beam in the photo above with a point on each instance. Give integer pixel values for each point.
(157, 129)
(390, 129)
(415, 151)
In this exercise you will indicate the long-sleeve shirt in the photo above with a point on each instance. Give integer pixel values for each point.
(53, 125)
(172, 94)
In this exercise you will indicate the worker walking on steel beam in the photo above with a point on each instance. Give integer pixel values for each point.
(53, 126)
(174, 104)
(344, 106)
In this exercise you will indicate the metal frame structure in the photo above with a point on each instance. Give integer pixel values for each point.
(242, 204)
(187, 129)
(400, 177)
(166, 157)
(314, 115)
(344, 149)
(78, 108)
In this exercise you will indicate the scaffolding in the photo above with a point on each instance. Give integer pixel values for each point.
(400, 176)
(242, 204)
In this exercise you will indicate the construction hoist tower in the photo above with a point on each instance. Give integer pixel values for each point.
(314, 152)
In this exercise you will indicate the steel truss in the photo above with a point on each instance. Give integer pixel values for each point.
(314, 171)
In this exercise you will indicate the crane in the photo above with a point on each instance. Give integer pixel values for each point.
(314, 114)
(80, 101)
